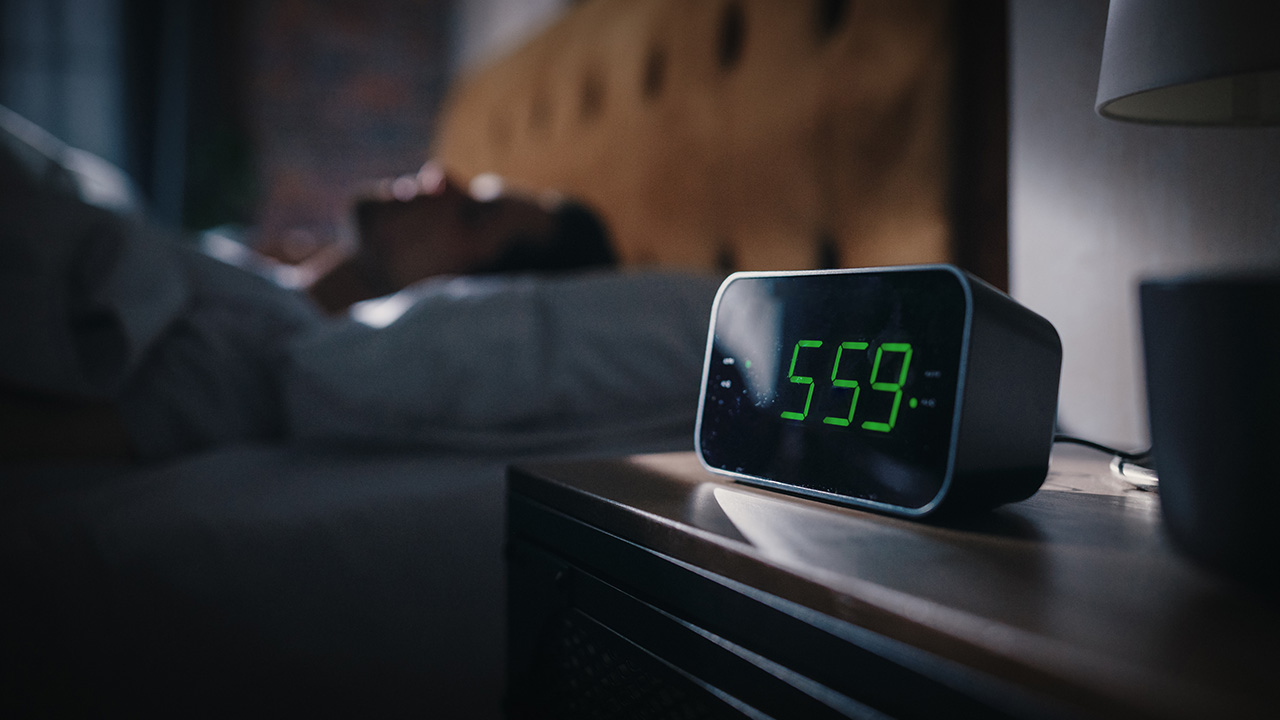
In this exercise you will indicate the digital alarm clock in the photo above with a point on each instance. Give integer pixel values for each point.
(907, 390)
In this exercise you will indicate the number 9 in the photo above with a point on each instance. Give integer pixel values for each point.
(893, 387)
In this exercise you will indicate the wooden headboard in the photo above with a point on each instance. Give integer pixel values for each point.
(756, 134)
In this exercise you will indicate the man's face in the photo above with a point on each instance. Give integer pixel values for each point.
(427, 224)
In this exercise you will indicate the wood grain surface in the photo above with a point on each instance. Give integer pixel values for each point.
(1074, 595)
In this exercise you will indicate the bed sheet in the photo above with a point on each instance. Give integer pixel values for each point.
(260, 579)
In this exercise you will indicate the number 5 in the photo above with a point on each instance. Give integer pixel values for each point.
(836, 382)
(801, 379)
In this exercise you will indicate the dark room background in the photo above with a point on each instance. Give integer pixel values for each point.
(264, 114)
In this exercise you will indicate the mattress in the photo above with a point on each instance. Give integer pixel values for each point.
(259, 579)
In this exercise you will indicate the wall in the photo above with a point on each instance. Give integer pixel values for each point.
(1095, 205)
(342, 92)
(483, 29)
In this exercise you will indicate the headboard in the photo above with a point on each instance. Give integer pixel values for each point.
(757, 134)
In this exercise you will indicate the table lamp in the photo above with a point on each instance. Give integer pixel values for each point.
(1210, 342)
(1191, 62)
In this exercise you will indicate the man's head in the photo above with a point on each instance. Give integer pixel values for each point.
(422, 225)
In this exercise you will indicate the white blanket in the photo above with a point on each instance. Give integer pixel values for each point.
(197, 353)
(511, 364)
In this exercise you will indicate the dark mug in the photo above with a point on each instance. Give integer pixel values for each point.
(1212, 349)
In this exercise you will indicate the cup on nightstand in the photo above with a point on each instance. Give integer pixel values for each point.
(1212, 349)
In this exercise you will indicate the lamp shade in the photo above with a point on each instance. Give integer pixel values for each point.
(1192, 62)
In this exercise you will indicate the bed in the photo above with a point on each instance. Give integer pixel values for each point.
(315, 520)
(352, 563)
(258, 580)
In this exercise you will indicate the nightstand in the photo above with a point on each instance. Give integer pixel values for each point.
(648, 587)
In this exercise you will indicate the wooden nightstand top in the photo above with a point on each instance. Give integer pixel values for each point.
(1075, 595)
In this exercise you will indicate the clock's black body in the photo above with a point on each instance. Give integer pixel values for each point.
(908, 390)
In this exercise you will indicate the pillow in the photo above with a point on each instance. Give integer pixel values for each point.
(31, 156)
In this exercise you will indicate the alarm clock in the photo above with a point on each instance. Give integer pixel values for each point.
(907, 390)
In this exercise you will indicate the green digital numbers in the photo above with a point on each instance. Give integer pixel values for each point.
(877, 384)
(801, 379)
(842, 383)
(893, 387)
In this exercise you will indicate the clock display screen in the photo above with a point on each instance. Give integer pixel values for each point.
(840, 383)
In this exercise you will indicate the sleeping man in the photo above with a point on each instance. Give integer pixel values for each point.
(120, 340)
(419, 226)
